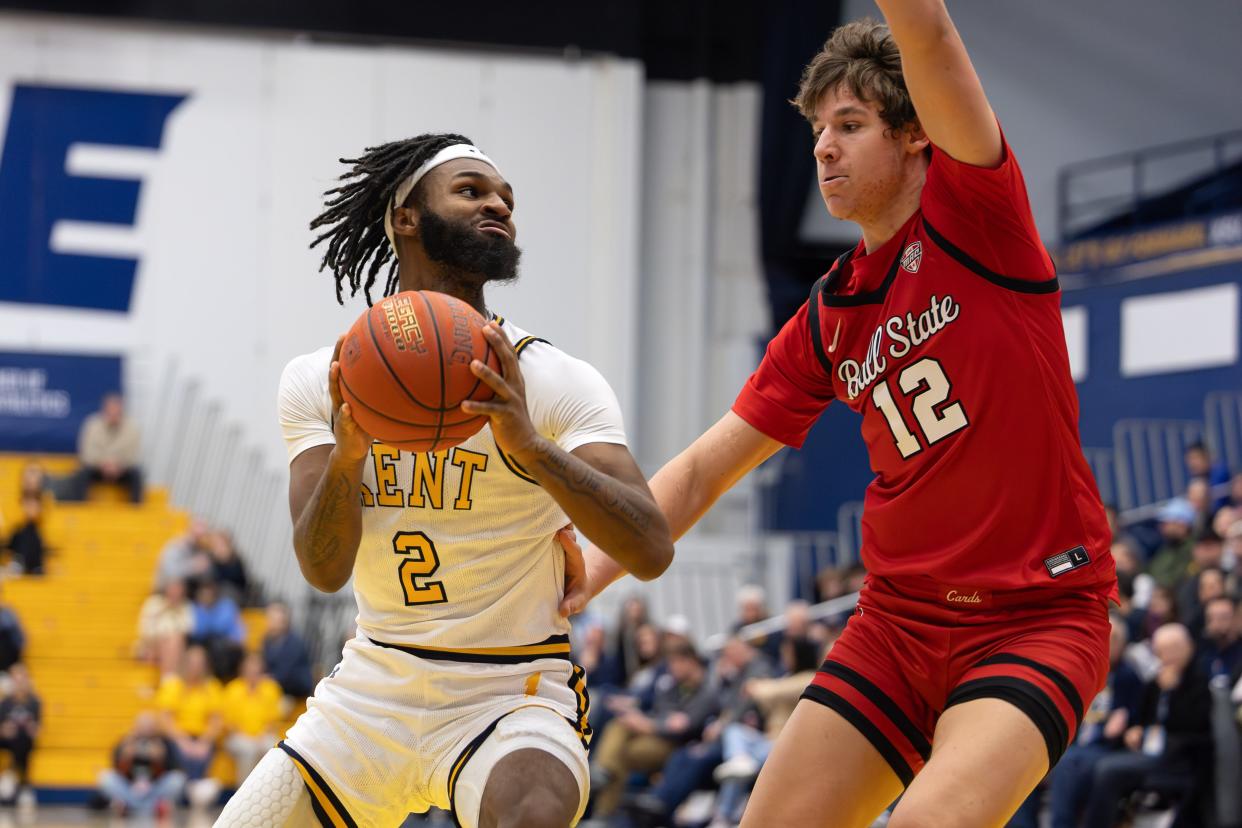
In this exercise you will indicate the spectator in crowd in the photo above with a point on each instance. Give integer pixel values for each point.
(218, 627)
(20, 715)
(12, 638)
(252, 713)
(1168, 565)
(1170, 738)
(603, 671)
(1130, 569)
(32, 481)
(1161, 609)
(855, 577)
(191, 707)
(639, 689)
(752, 607)
(830, 583)
(640, 742)
(746, 747)
(623, 656)
(1200, 466)
(797, 623)
(185, 558)
(285, 654)
(1104, 724)
(1199, 496)
(1126, 558)
(648, 643)
(1229, 514)
(1110, 514)
(165, 622)
(1212, 583)
(1220, 652)
(226, 567)
(26, 543)
(1206, 554)
(144, 780)
(108, 446)
(737, 664)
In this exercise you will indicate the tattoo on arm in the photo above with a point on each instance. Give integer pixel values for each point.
(323, 543)
(581, 478)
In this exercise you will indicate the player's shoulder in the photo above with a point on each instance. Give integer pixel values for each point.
(316, 359)
(308, 369)
(543, 363)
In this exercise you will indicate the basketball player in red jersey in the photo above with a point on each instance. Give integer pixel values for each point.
(983, 627)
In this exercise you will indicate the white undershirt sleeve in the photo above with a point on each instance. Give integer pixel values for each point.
(569, 400)
(304, 404)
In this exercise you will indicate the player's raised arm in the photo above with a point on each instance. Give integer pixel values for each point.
(685, 488)
(947, 94)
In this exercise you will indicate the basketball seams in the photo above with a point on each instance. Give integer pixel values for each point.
(487, 360)
(435, 328)
(392, 372)
(356, 400)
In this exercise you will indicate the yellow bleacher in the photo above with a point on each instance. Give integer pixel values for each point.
(81, 619)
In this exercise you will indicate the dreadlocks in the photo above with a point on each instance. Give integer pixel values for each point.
(354, 211)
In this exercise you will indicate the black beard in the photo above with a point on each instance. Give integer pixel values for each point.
(465, 252)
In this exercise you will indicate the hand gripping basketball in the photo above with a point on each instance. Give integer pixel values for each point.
(351, 441)
(511, 425)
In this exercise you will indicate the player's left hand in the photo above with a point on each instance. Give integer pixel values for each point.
(511, 425)
(576, 595)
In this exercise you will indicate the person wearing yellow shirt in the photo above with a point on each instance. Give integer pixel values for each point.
(191, 707)
(252, 713)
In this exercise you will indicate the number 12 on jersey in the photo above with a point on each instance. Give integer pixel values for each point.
(419, 561)
(926, 380)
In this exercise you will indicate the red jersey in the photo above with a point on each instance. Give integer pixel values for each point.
(948, 340)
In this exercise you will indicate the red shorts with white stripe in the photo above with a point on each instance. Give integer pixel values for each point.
(915, 647)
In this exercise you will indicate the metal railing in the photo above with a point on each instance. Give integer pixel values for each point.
(1150, 463)
(210, 471)
(1094, 191)
(1103, 465)
(1222, 414)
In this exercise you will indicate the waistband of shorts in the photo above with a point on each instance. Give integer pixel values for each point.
(554, 646)
(966, 597)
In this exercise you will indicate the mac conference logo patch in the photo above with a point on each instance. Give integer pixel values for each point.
(912, 257)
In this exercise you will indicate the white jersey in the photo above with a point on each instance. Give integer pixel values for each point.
(458, 552)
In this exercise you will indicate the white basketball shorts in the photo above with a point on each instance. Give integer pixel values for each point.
(390, 732)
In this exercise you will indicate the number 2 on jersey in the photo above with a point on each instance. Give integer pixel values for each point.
(928, 379)
(420, 561)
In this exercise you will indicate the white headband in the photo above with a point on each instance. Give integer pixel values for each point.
(449, 153)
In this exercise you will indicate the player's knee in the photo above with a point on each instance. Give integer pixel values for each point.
(536, 809)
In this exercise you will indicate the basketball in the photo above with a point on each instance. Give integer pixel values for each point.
(405, 370)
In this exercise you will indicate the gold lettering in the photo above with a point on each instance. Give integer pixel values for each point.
(469, 462)
(428, 481)
(385, 458)
(368, 499)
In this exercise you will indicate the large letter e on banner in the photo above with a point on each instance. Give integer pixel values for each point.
(36, 191)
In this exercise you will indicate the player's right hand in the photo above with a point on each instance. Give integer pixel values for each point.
(352, 443)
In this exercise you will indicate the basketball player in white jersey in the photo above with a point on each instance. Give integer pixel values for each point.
(458, 691)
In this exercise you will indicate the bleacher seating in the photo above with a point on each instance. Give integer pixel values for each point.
(80, 621)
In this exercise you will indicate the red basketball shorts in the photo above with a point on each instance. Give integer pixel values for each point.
(914, 648)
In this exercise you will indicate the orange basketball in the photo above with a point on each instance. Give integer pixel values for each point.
(405, 370)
